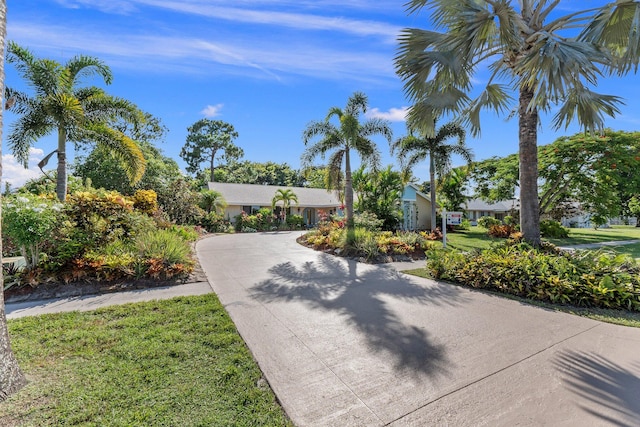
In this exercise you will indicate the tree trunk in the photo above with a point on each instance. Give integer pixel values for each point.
(11, 378)
(61, 182)
(432, 190)
(528, 154)
(212, 177)
(348, 190)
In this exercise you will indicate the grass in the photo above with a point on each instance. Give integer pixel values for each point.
(579, 236)
(161, 363)
(618, 317)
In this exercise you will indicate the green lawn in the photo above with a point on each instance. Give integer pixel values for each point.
(178, 362)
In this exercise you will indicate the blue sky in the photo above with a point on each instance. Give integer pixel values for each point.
(266, 66)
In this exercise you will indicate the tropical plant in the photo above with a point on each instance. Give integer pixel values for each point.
(106, 171)
(29, 221)
(379, 192)
(340, 139)
(545, 58)
(286, 196)
(414, 149)
(212, 201)
(205, 140)
(78, 114)
(11, 377)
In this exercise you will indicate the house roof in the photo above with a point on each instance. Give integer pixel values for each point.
(420, 193)
(261, 195)
(481, 205)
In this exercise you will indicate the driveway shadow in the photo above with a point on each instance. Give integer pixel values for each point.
(337, 285)
(607, 387)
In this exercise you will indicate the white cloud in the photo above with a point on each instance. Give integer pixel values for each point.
(14, 172)
(393, 115)
(212, 110)
(165, 53)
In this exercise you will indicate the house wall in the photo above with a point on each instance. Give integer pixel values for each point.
(424, 214)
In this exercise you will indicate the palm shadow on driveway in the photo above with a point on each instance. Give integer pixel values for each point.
(605, 385)
(363, 294)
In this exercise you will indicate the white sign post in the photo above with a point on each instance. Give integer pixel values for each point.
(451, 218)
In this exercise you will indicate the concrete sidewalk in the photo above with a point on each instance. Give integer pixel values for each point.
(349, 344)
(91, 302)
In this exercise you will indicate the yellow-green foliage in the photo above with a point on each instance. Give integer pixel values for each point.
(583, 279)
(145, 201)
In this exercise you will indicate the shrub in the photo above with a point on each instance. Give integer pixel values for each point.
(509, 220)
(503, 231)
(587, 279)
(488, 221)
(368, 220)
(553, 229)
(145, 201)
(295, 221)
(464, 225)
(215, 223)
(29, 221)
(165, 246)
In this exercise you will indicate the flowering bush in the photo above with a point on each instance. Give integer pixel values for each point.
(29, 221)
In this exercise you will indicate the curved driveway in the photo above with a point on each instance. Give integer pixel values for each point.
(349, 344)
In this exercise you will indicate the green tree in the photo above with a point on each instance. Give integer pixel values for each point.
(379, 192)
(78, 114)
(105, 170)
(452, 187)
(267, 173)
(634, 208)
(598, 171)
(286, 196)
(531, 50)
(11, 377)
(413, 149)
(206, 139)
(212, 201)
(348, 135)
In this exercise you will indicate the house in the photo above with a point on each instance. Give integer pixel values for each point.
(477, 208)
(416, 209)
(252, 197)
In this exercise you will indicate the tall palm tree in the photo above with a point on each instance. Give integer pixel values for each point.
(11, 377)
(340, 139)
(286, 196)
(534, 55)
(413, 149)
(78, 114)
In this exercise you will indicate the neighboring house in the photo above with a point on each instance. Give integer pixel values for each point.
(251, 197)
(416, 209)
(477, 208)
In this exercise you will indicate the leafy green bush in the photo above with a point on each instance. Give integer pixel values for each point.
(164, 245)
(587, 279)
(488, 221)
(553, 229)
(215, 223)
(368, 220)
(464, 225)
(295, 221)
(29, 221)
(509, 220)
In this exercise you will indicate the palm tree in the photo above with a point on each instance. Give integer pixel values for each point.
(349, 135)
(78, 114)
(211, 200)
(534, 55)
(11, 377)
(413, 149)
(286, 196)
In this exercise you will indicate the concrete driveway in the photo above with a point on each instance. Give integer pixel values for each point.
(349, 344)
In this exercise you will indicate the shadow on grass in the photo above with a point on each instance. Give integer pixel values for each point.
(612, 392)
(358, 292)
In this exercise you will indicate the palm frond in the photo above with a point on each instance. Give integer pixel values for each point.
(121, 146)
(85, 66)
(588, 107)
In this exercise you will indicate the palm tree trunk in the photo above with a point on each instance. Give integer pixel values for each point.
(61, 182)
(348, 190)
(432, 190)
(528, 153)
(11, 377)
